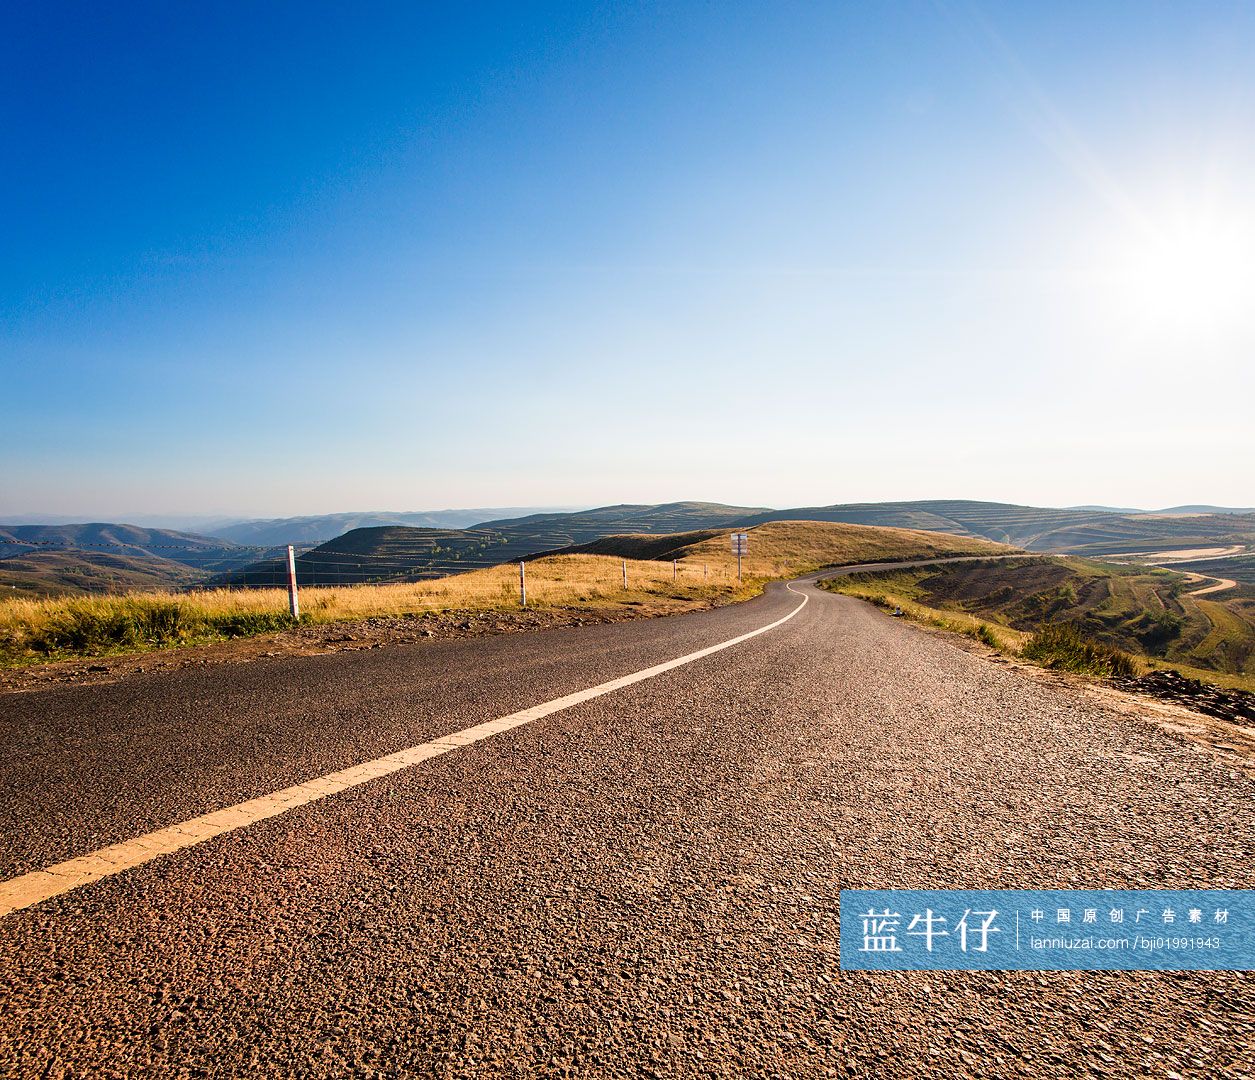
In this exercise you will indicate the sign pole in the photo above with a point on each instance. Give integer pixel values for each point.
(294, 603)
(740, 546)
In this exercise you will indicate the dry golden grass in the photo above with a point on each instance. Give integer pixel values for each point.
(85, 625)
(704, 574)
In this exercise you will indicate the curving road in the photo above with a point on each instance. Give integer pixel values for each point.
(641, 883)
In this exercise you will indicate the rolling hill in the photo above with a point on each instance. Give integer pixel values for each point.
(1075, 531)
(786, 548)
(53, 572)
(203, 552)
(394, 552)
(397, 553)
(318, 529)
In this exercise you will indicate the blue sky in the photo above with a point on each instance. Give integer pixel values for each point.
(279, 259)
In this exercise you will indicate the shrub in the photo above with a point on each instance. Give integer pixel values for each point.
(1061, 646)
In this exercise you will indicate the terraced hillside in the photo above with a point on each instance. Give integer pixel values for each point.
(1075, 530)
(586, 525)
(406, 554)
(1239, 568)
(384, 554)
(1145, 611)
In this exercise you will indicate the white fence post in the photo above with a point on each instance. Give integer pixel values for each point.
(523, 582)
(625, 573)
(294, 602)
(675, 568)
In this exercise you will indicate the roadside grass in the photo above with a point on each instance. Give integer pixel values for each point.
(1146, 613)
(1062, 647)
(888, 590)
(32, 630)
(894, 591)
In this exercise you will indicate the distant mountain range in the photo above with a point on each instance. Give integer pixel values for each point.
(400, 552)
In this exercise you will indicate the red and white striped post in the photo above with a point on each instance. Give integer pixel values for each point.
(294, 603)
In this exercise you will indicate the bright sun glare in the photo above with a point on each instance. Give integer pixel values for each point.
(1191, 276)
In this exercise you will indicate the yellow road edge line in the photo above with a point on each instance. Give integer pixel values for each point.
(32, 888)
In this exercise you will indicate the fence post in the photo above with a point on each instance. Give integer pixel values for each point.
(705, 571)
(523, 582)
(294, 603)
(675, 568)
(625, 574)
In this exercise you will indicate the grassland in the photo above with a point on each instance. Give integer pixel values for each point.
(698, 570)
(1147, 613)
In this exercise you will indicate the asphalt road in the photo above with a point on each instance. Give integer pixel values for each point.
(643, 884)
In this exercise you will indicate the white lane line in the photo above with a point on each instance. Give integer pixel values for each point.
(39, 885)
